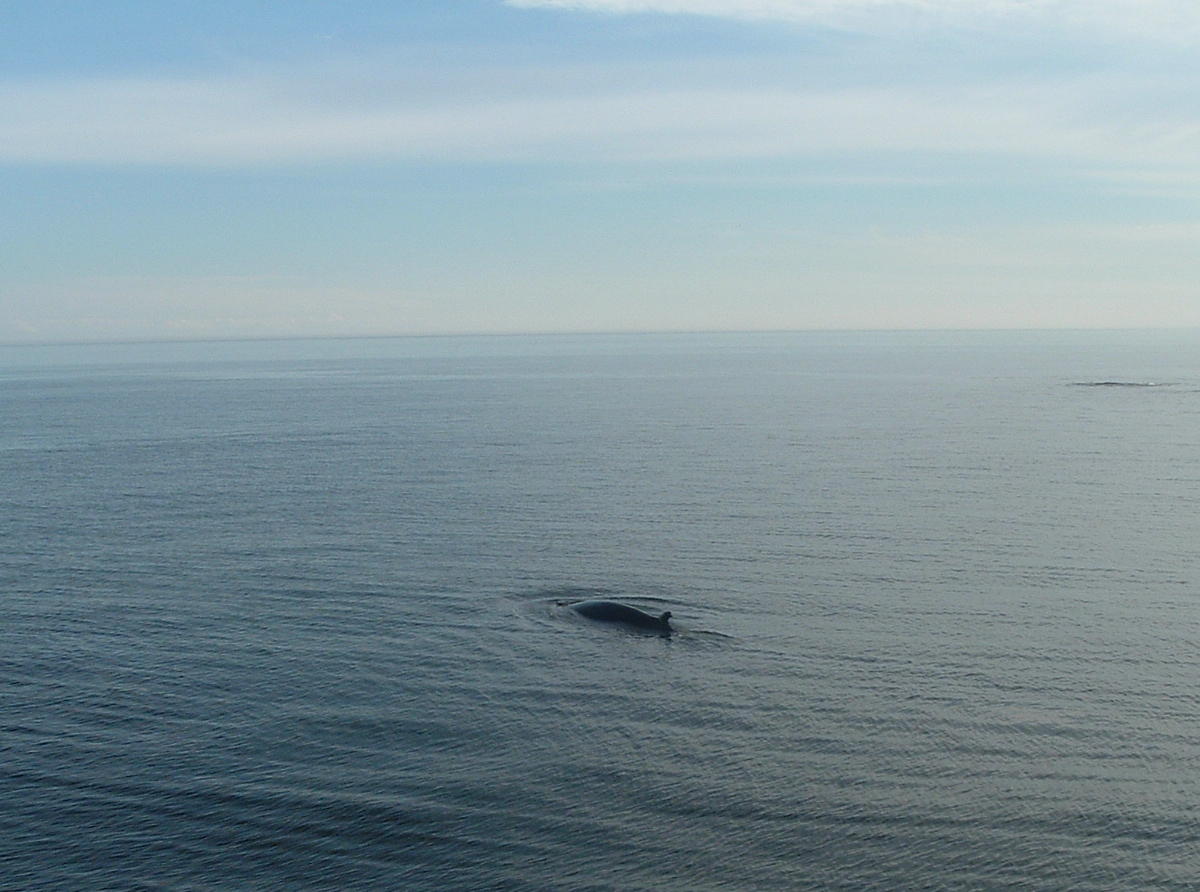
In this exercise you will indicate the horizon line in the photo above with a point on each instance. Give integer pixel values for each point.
(553, 333)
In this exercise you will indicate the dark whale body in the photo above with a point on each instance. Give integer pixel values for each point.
(613, 612)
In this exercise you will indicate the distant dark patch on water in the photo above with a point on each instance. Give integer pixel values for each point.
(1121, 384)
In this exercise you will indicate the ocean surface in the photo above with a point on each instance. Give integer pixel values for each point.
(288, 615)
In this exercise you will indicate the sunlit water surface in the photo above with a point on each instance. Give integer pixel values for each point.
(287, 615)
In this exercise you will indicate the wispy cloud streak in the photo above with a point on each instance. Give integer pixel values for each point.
(1171, 20)
(270, 120)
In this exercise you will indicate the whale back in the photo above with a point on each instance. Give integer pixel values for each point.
(615, 612)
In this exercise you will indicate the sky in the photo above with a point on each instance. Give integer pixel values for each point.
(244, 168)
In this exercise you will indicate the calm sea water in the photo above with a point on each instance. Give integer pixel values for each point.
(286, 615)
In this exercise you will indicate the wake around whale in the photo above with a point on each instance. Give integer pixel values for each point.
(615, 612)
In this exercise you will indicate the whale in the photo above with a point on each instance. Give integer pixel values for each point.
(615, 612)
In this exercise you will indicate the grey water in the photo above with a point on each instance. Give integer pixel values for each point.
(288, 614)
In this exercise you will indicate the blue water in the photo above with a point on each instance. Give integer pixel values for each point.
(287, 615)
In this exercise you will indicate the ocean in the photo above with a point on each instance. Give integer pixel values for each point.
(290, 614)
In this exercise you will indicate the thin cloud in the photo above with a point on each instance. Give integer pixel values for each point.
(793, 10)
(261, 121)
(1168, 20)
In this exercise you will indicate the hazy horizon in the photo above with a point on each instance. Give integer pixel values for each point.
(598, 333)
